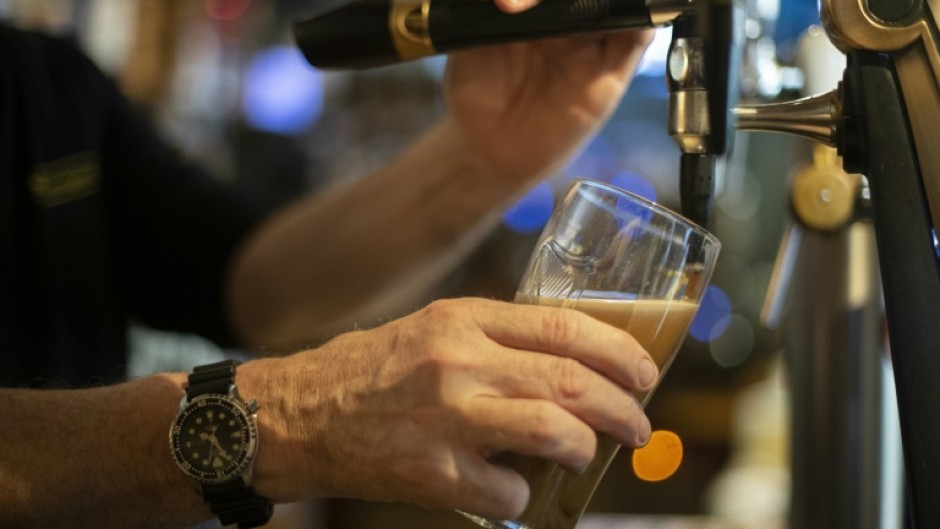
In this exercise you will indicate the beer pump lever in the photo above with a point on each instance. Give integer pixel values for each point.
(883, 120)
(369, 33)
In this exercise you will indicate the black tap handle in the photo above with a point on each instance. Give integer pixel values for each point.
(369, 33)
(355, 35)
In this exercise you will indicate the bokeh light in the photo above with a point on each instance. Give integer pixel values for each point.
(734, 346)
(737, 277)
(660, 458)
(713, 315)
(635, 183)
(531, 212)
(282, 93)
(742, 201)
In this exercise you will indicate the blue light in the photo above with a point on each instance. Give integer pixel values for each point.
(653, 63)
(532, 211)
(713, 317)
(597, 160)
(649, 81)
(936, 243)
(283, 94)
(634, 183)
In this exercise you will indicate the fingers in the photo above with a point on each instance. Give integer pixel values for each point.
(568, 333)
(532, 427)
(491, 491)
(579, 391)
(586, 368)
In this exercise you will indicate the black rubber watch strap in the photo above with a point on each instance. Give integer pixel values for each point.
(211, 379)
(235, 502)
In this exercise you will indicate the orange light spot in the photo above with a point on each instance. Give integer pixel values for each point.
(660, 458)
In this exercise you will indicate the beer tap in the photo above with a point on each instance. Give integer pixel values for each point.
(703, 60)
(882, 119)
(703, 56)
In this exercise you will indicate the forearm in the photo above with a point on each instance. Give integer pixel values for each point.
(97, 458)
(517, 113)
(361, 250)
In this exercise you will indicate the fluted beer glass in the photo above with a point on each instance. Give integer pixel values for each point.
(630, 263)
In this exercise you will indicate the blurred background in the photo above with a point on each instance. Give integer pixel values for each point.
(224, 82)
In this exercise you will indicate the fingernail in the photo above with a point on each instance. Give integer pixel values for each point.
(648, 373)
(645, 430)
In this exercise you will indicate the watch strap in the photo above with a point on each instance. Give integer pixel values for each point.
(211, 379)
(234, 502)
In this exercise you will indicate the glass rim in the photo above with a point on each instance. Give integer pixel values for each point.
(655, 206)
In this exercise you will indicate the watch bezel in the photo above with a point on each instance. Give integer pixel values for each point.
(245, 456)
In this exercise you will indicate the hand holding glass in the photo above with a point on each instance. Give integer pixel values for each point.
(632, 264)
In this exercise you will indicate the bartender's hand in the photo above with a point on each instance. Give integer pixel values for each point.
(413, 411)
(524, 109)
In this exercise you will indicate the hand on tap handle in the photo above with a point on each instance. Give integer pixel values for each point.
(369, 33)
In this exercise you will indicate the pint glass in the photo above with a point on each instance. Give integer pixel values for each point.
(632, 264)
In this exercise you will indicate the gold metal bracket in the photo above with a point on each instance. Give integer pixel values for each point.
(408, 26)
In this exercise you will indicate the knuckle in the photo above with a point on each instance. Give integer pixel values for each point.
(562, 327)
(572, 380)
(445, 337)
(443, 310)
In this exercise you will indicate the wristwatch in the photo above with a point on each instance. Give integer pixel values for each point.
(214, 440)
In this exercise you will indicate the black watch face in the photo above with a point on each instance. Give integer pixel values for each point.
(213, 439)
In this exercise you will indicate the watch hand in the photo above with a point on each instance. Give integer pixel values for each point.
(222, 452)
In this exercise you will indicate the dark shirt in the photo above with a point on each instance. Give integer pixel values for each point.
(100, 222)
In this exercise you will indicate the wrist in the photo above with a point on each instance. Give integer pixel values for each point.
(214, 442)
(274, 474)
(502, 176)
(163, 392)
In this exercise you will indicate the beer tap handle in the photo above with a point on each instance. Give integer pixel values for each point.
(371, 33)
(823, 198)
